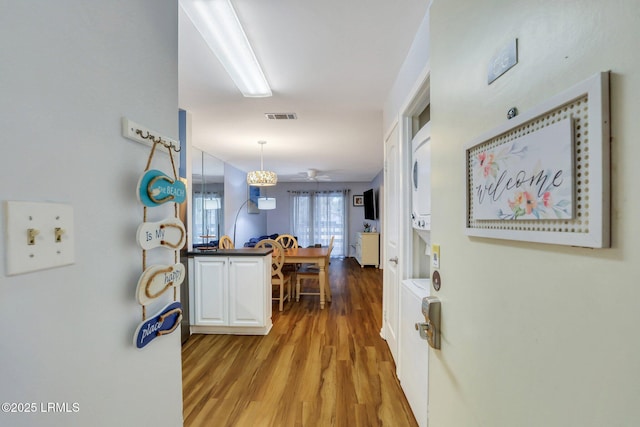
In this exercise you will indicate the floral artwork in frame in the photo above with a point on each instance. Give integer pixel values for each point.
(528, 178)
(358, 200)
(544, 175)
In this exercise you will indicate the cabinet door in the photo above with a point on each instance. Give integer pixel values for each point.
(211, 292)
(247, 289)
(369, 249)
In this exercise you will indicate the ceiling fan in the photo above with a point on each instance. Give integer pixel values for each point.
(313, 176)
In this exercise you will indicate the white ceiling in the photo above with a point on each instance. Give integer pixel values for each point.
(332, 62)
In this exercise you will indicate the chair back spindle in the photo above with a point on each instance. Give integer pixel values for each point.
(225, 242)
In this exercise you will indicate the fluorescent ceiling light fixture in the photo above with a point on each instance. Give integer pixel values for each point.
(266, 203)
(217, 22)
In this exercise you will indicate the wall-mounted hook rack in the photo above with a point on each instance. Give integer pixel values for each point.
(143, 135)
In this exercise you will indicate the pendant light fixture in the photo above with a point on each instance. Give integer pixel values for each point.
(262, 178)
(266, 203)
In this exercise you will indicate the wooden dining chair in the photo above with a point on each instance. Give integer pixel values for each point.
(289, 241)
(225, 242)
(279, 278)
(312, 271)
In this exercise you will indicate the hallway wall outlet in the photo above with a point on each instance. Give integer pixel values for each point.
(39, 236)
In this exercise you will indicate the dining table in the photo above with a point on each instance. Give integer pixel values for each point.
(315, 255)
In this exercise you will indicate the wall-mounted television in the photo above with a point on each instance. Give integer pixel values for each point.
(370, 205)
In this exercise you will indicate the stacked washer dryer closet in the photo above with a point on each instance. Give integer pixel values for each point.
(413, 367)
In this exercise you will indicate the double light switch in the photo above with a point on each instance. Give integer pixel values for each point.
(39, 236)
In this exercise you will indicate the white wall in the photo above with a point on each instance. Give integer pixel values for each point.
(406, 91)
(235, 195)
(70, 71)
(412, 70)
(533, 334)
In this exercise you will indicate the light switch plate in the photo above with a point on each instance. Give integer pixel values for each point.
(52, 243)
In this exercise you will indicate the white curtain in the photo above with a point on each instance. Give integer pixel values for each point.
(318, 215)
(301, 218)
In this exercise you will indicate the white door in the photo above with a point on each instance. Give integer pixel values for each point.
(414, 353)
(391, 276)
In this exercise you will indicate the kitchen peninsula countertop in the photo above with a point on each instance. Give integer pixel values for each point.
(231, 252)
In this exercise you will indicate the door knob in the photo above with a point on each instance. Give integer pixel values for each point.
(394, 260)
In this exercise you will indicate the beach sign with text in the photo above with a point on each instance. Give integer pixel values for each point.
(158, 279)
(156, 188)
(164, 322)
(169, 233)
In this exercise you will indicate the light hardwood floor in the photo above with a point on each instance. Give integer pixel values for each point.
(315, 368)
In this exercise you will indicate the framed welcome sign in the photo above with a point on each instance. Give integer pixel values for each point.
(544, 175)
(530, 177)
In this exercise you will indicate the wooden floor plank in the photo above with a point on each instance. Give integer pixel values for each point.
(316, 367)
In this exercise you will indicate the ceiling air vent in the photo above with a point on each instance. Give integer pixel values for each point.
(281, 116)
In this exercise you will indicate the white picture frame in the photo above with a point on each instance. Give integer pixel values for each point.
(572, 128)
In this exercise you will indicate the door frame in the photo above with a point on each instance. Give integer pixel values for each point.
(417, 99)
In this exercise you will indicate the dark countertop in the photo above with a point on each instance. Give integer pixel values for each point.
(232, 252)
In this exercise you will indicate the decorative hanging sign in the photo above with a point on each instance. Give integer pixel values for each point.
(163, 323)
(157, 279)
(544, 175)
(156, 188)
(168, 233)
(530, 177)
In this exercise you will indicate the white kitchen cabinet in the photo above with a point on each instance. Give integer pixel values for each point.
(210, 283)
(230, 294)
(368, 249)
